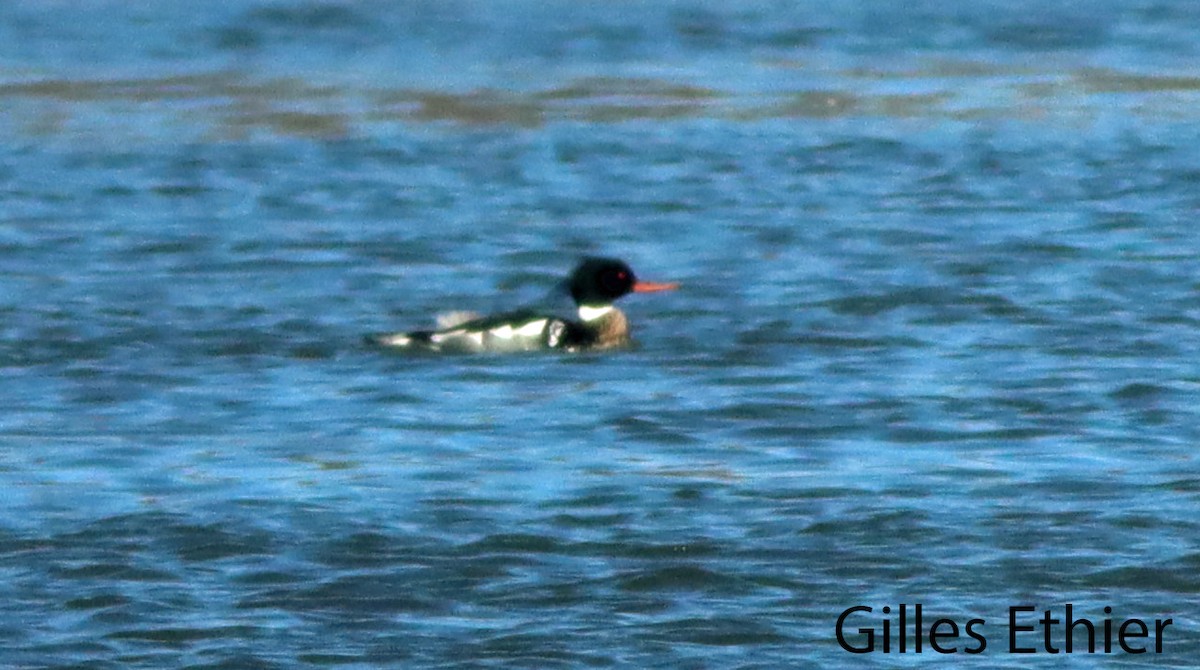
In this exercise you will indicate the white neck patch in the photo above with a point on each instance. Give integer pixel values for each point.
(592, 313)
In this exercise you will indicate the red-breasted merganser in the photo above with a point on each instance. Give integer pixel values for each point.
(594, 285)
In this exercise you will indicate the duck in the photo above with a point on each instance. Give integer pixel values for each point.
(594, 285)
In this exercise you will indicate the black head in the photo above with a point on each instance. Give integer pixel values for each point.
(599, 281)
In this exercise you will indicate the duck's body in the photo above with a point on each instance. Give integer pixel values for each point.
(594, 285)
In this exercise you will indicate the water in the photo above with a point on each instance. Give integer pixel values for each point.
(937, 341)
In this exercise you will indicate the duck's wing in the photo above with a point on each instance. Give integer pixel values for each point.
(521, 330)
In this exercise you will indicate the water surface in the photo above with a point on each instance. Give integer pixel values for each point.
(936, 343)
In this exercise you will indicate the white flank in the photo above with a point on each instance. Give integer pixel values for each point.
(450, 336)
(532, 329)
(592, 313)
(397, 340)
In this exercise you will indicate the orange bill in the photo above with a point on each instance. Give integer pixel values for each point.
(654, 287)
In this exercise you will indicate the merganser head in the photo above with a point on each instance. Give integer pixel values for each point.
(597, 282)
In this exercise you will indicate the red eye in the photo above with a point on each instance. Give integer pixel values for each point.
(622, 276)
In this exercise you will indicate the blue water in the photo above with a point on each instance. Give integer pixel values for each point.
(937, 340)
